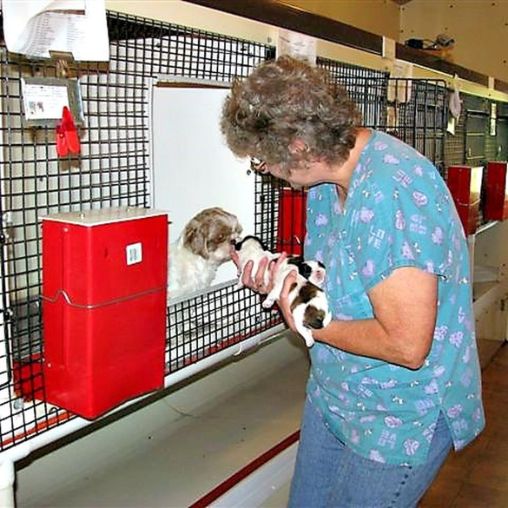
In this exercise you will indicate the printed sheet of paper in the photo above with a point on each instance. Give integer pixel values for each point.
(399, 90)
(44, 102)
(34, 27)
(297, 45)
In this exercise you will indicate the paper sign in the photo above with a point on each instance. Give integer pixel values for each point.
(44, 102)
(450, 128)
(493, 118)
(45, 98)
(36, 27)
(399, 88)
(297, 45)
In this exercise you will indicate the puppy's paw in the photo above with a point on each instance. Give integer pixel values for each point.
(309, 341)
(306, 335)
(239, 284)
(267, 303)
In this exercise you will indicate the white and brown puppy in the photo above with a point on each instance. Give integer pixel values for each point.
(308, 302)
(204, 245)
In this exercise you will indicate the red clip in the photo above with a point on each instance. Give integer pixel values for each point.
(67, 139)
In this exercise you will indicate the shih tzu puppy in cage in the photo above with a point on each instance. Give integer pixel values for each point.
(309, 305)
(204, 245)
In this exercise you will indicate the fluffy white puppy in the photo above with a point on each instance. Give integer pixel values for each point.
(308, 302)
(204, 245)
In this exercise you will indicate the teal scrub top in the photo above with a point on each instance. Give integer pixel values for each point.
(398, 213)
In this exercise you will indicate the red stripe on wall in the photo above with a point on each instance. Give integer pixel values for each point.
(241, 474)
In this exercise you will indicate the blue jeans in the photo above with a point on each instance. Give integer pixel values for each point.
(328, 474)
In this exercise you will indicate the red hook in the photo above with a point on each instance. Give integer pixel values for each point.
(67, 138)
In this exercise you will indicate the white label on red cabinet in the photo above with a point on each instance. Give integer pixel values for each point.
(134, 253)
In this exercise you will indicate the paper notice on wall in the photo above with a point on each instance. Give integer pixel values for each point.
(493, 119)
(297, 45)
(450, 128)
(400, 83)
(36, 27)
(44, 102)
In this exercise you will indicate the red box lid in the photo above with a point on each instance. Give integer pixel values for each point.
(101, 256)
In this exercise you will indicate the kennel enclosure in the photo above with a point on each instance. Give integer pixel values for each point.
(114, 169)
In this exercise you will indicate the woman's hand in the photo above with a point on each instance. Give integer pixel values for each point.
(257, 283)
(283, 302)
(262, 281)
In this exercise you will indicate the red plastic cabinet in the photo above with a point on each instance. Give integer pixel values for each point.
(465, 184)
(104, 307)
(291, 221)
(496, 191)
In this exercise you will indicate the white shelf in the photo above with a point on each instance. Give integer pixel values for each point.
(486, 294)
(483, 291)
(485, 273)
(485, 227)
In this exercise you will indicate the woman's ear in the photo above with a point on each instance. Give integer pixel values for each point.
(298, 146)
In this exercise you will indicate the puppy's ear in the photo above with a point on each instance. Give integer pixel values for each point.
(319, 275)
(305, 270)
(295, 260)
(195, 238)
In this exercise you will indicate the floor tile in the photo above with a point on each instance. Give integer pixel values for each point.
(477, 476)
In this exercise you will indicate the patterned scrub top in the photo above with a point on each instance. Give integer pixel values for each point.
(398, 212)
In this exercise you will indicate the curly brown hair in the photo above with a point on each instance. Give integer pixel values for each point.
(285, 99)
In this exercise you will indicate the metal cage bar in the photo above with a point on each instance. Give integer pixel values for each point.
(414, 110)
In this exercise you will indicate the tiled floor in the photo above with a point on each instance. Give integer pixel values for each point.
(477, 477)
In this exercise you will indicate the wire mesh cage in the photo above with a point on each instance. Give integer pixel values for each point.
(496, 132)
(502, 137)
(476, 129)
(414, 110)
(211, 321)
(112, 170)
(421, 110)
(480, 140)
(455, 141)
(367, 88)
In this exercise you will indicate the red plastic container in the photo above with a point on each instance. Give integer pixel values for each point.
(291, 222)
(496, 191)
(104, 307)
(465, 184)
(28, 378)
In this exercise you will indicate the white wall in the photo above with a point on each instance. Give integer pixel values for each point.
(479, 27)
(376, 16)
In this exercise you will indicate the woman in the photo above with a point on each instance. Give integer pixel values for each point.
(395, 379)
